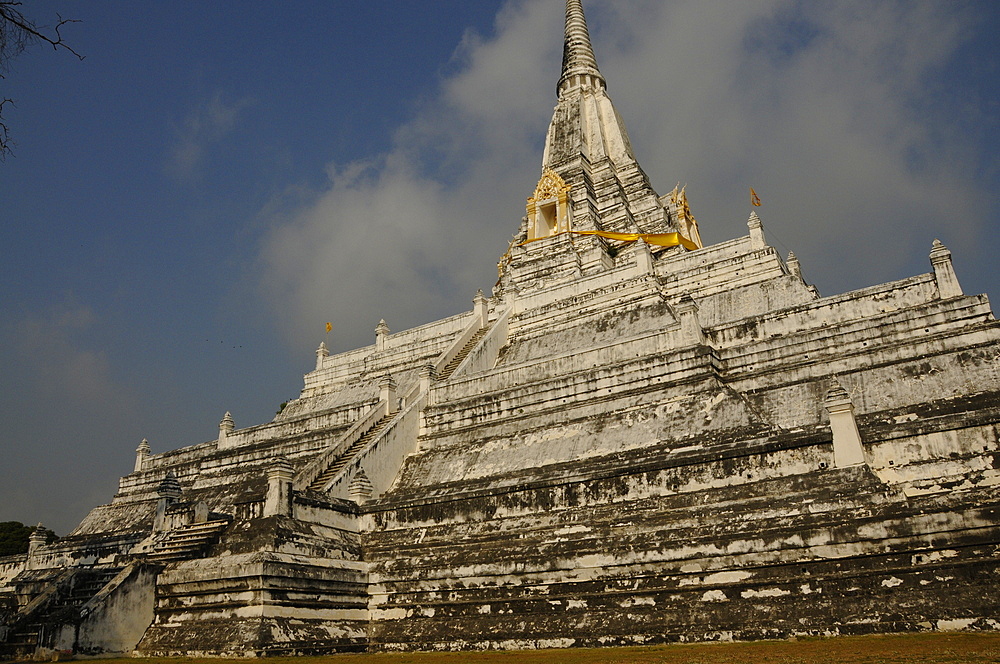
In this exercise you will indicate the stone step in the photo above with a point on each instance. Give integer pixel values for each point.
(163, 556)
(85, 585)
(449, 368)
(188, 541)
(184, 544)
(24, 636)
(183, 536)
(342, 460)
(206, 526)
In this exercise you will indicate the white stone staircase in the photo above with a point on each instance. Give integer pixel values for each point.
(448, 369)
(188, 541)
(394, 435)
(343, 459)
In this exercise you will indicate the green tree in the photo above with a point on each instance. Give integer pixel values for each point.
(14, 537)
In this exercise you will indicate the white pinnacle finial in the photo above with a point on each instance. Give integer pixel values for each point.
(944, 271)
(381, 332)
(321, 354)
(360, 488)
(757, 241)
(579, 66)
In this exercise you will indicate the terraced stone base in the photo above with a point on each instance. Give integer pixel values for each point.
(253, 637)
(827, 552)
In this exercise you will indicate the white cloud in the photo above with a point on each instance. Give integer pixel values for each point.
(816, 105)
(51, 343)
(206, 124)
(410, 236)
(71, 421)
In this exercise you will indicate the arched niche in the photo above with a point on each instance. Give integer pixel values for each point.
(548, 207)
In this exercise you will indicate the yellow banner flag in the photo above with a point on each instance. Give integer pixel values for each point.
(329, 326)
(754, 198)
(659, 239)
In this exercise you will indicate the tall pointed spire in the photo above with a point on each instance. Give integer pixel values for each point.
(579, 66)
(590, 180)
(588, 148)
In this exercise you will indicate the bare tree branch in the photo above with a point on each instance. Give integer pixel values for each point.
(18, 21)
(17, 33)
(5, 143)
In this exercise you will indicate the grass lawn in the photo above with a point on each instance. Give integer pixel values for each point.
(931, 648)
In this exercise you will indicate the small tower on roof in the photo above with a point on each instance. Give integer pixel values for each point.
(677, 206)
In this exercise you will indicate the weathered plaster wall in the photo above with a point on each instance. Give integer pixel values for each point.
(272, 585)
(10, 566)
(115, 620)
(742, 551)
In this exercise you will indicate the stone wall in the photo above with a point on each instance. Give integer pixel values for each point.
(115, 619)
(747, 540)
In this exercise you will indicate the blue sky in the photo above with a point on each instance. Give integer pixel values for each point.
(188, 205)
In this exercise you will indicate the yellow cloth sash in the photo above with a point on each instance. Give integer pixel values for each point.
(659, 239)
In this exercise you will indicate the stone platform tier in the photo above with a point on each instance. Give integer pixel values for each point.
(624, 559)
(273, 585)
